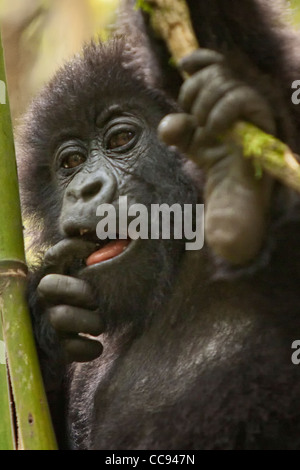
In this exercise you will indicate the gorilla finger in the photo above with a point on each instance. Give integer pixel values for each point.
(211, 94)
(197, 144)
(65, 318)
(235, 106)
(79, 349)
(204, 151)
(59, 256)
(59, 289)
(211, 155)
(257, 111)
(177, 129)
(197, 83)
(199, 59)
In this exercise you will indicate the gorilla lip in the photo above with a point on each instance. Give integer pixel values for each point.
(106, 249)
(110, 250)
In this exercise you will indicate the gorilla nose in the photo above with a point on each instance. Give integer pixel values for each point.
(95, 189)
(91, 189)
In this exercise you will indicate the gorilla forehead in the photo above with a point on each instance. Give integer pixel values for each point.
(104, 74)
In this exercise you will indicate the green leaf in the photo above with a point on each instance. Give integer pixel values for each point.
(144, 5)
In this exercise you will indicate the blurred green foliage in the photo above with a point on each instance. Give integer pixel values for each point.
(295, 4)
(40, 35)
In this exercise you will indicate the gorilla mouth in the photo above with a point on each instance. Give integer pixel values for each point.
(110, 250)
(105, 249)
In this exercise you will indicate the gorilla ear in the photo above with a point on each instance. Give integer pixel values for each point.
(138, 47)
(140, 57)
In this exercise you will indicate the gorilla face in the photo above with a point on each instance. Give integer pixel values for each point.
(122, 158)
(103, 146)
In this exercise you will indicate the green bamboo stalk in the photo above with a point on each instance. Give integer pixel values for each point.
(6, 424)
(35, 430)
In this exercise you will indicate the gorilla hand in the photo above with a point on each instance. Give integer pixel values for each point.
(236, 201)
(69, 302)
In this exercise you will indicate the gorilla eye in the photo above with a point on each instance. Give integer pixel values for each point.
(120, 139)
(73, 160)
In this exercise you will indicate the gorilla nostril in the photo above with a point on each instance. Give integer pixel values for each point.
(71, 195)
(91, 189)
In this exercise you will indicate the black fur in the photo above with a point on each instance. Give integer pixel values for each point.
(212, 368)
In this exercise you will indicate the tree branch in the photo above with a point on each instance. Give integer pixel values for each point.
(171, 21)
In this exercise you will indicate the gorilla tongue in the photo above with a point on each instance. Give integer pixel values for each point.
(111, 250)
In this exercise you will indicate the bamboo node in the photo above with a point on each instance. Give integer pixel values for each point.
(13, 273)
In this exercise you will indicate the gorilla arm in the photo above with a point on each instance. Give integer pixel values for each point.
(237, 202)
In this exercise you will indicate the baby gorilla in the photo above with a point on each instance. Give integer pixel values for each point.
(215, 102)
(189, 360)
